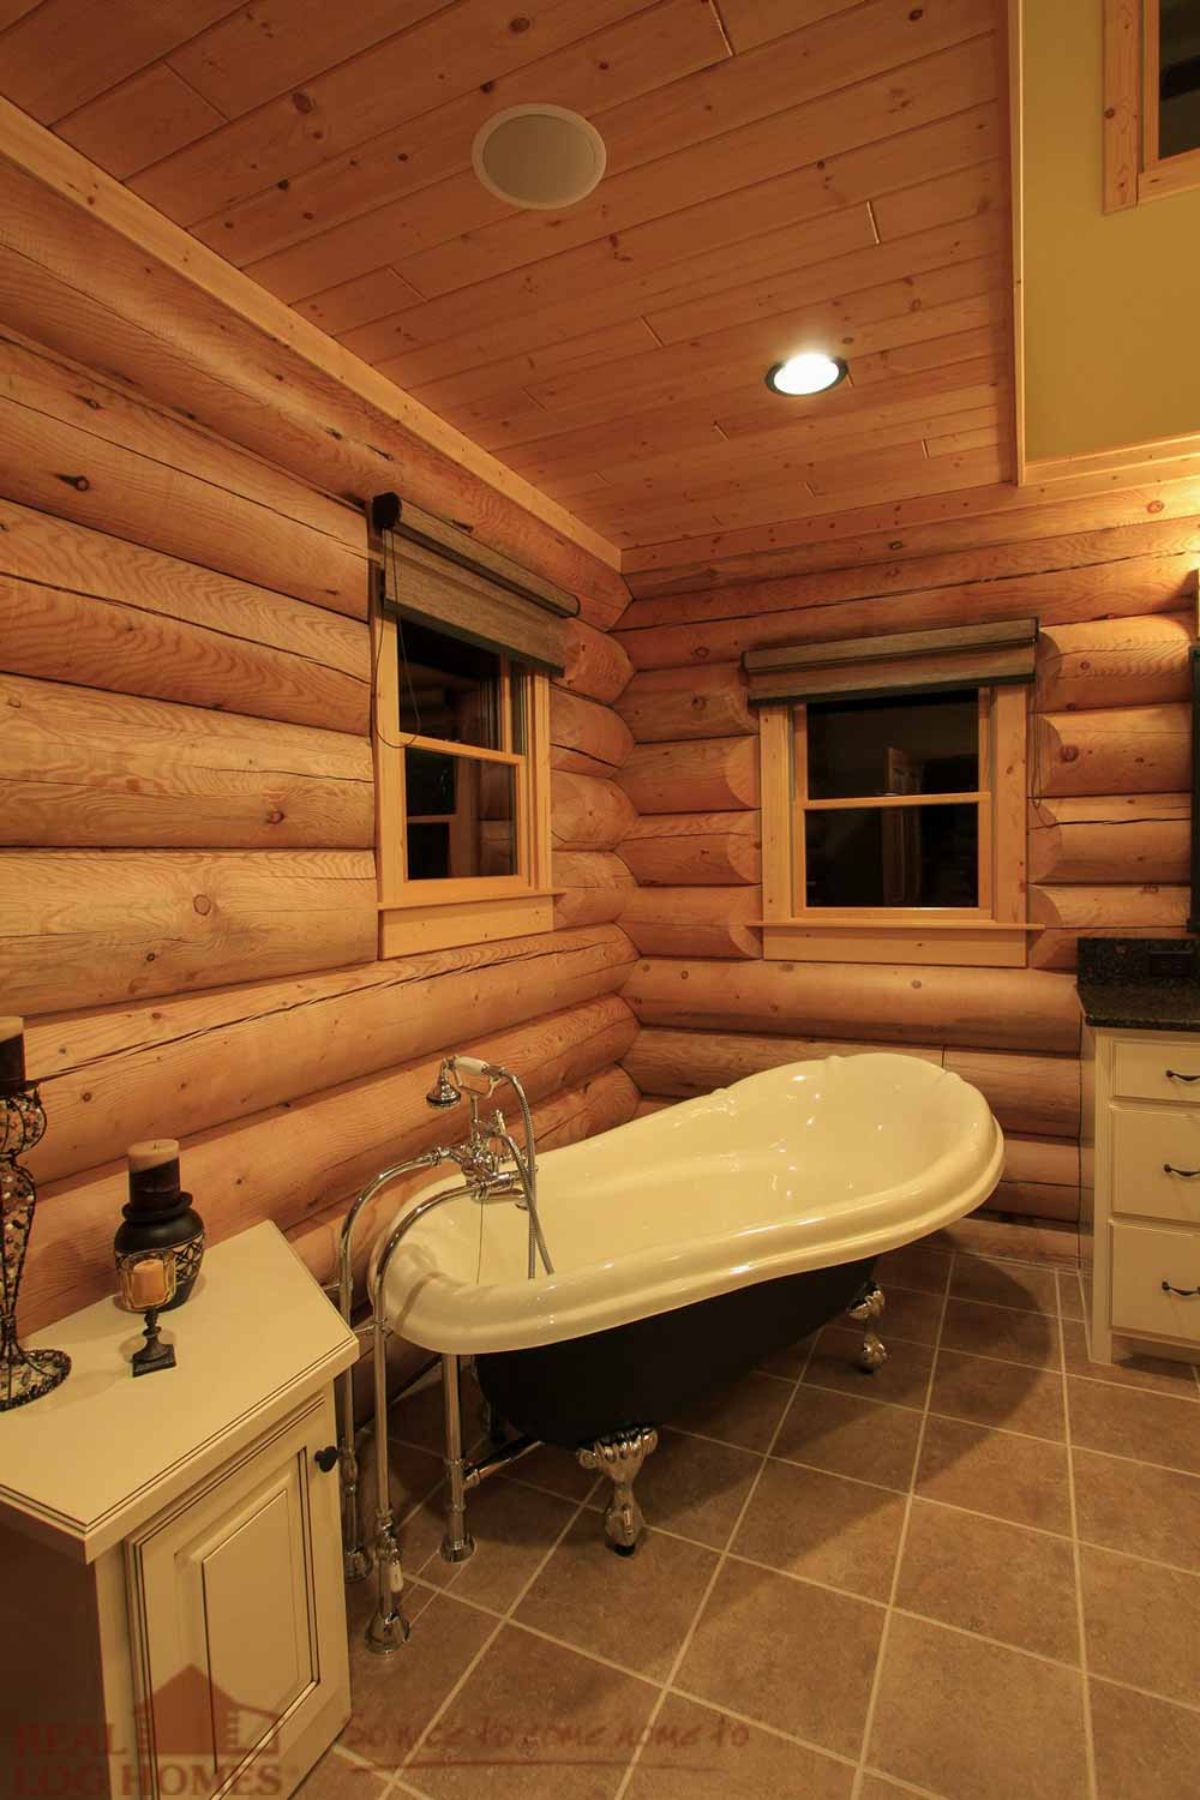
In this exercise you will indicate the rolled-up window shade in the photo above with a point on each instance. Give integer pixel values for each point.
(908, 662)
(435, 573)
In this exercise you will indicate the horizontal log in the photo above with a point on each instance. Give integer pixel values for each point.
(1114, 837)
(1035, 1095)
(595, 664)
(649, 1104)
(193, 1062)
(665, 704)
(80, 928)
(703, 775)
(1119, 750)
(291, 1161)
(587, 814)
(1141, 661)
(594, 886)
(61, 636)
(683, 1064)
(585, 736)
(81, 767)
(103, 460)
(1151, 910)
(694, 849)
(694, 921)
(600, 1103)
(1001, 1009)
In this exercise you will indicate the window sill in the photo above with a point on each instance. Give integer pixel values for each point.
(978, 943)
(449, 924)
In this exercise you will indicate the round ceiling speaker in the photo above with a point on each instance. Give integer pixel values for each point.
(539, 156)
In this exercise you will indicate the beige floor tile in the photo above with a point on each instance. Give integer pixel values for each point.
(635, 1610)
(417, 1418)
(1128, 1369)
(1142, 1623)
(789, 1362)
(903, 1379)
(991, 1577)
(878, 1787)
(909, 1315)
(535, 1721)
(916, 1266)
(1005, 1241)
(798, 1657)
(849, 1436)
(1145, 1749)
(823, 1527)
(1011, 1395)
(1070, 1295)
(975, 1721)
(1004, 1284)
(554, 1469)
(1149, 1427)
(336, 1778)
(744, 1413)
(1134, 1507)
(513, 1528)
(696, 1752)
(1001, 1331)
(394, 1697)
(1020, 1479)
(696, 1487)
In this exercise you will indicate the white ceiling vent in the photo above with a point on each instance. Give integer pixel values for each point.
(539, 156)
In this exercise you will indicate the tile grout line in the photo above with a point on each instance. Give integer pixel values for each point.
(881, 1653)
(710, 1585)
(1089, 1746)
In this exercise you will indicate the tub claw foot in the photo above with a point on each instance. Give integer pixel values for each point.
(621, 1458)
(865, 1311)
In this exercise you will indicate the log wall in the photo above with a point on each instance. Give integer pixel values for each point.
(187, 815)
(1108, 812)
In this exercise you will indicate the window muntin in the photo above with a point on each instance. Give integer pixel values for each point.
(1151, 100)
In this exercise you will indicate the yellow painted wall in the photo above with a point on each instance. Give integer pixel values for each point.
(1111, 300)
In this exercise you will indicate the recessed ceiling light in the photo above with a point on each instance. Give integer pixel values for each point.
(539, 156)
(809, 373)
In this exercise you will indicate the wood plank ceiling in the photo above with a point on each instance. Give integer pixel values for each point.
(781, 173)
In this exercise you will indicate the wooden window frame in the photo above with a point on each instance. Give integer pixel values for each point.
(446, 914)
(992, 934)
(1133, 169)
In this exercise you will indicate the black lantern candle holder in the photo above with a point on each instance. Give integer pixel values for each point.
(25, 1375)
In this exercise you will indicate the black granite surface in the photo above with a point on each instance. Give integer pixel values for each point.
(1140, 984)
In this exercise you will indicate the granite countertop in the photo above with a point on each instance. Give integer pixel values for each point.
(1140, 984)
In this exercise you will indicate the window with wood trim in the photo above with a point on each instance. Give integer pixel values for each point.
(1151, 100)
(894, 799)
(462, 744)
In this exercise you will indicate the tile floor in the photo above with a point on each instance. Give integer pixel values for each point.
(974, 1575)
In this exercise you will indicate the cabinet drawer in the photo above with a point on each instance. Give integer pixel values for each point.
(1166, 1071)
(1143, 1257)
(1156, 1162)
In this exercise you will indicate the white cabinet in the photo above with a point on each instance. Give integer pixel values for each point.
(1142, 1150)
(171, 1596)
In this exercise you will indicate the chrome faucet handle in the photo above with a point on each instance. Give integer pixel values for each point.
(443, 1093)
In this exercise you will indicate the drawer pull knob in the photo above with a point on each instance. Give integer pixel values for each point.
(1177, 1075)
(326, 1459)
(1188, 1174)
(1183, 1293)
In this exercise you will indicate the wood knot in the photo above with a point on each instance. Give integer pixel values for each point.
(79, 482)
(915, 984)
(202, 904)
(701, 652)
(1156, 506)
(519, 24)
(275, 817)
(1069, 753)
(303, 103)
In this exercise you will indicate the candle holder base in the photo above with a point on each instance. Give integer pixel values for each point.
(26, 1375)
(154, 1354)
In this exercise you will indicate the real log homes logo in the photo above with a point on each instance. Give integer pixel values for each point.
(187, 1743)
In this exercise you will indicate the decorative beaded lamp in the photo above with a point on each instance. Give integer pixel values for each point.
(25, 1375)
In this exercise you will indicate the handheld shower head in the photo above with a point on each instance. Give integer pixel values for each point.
(443, 1093)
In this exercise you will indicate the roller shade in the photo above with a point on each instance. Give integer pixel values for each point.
(908, 662)
(435, 573)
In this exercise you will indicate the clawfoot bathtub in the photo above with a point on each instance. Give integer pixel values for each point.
(679, 1250)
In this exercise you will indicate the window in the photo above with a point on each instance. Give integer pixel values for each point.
(894, 815)
(461, 750)
(1151, 99)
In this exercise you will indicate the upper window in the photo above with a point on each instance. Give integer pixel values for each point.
(893, 819)
(462, 753)
(1151, 99)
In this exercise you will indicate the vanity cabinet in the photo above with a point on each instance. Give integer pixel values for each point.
(1142, 1167)
(171, 1596)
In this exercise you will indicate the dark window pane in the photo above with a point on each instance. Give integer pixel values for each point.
(461, 817)
(893, 856)
(448, 689)
(927, 745)
(1179, 77)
